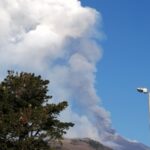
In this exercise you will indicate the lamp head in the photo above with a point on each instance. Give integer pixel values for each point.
(142, 90)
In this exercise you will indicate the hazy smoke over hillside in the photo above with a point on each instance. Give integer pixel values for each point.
(55, 38)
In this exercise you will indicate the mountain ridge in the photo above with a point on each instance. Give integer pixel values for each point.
(79, 144)
(90, 144)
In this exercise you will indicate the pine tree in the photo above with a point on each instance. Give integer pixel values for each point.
(27, 120)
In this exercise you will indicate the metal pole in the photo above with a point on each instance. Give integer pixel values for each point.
(149, 107)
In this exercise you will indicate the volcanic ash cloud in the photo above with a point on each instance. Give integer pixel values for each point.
(56, 38)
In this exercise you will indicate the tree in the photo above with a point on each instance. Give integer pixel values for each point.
(27, 120)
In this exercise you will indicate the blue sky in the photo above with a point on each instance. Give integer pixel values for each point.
(125, 64)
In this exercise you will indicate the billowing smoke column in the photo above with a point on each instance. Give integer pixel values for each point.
(55, 38)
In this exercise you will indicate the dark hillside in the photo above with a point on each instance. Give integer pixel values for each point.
(81, 144)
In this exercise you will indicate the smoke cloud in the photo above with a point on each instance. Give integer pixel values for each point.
(56, 38)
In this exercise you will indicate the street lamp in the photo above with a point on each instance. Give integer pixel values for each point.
(143, 90)
(146, 91)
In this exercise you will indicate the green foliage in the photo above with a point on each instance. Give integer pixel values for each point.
(27, 121)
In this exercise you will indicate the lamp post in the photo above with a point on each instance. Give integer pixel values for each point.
(146, 91)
